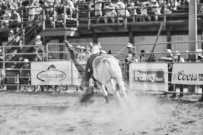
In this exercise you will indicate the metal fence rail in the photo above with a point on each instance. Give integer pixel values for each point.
(60, 53)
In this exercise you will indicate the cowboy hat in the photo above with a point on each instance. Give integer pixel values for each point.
(38, 37)
(82, 47)
(26, 60)
(168, 50)
(177, 53)
(129, 45)
(78, 47)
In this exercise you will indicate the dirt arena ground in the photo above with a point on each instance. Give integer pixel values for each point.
(54, 114)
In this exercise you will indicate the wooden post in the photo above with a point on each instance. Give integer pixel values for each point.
(64, 18)
(192, 33)
(43, 18)
(131, 36)
(77, 16)
(193, 27)
(94, 37)
(89, 18)
(168, 38)
(201, 39)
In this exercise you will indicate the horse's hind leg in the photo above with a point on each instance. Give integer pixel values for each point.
(117, 95)
(122, 87)
(104, 91)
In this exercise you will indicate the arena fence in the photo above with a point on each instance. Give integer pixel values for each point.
(57, 71)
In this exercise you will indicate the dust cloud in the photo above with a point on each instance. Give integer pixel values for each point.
(40, 114)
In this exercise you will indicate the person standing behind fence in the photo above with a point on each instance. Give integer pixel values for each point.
(169, 59)
(39, 44)
(179, 59)
(87, 53)
(200, 59)
(81, 55)
(25, 76)
(131, 57)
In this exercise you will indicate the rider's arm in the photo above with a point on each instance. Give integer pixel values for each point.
(71, 49)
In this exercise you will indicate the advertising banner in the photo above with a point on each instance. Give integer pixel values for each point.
(149, 76)
(51, 73)
(187, 73)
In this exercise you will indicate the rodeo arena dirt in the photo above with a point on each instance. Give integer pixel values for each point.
(58, 80)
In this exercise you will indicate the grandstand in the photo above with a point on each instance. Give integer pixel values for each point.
(81, 22)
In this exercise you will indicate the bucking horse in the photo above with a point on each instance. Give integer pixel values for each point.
(107, 74)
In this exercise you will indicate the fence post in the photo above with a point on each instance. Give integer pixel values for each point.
(17, 81)
(65, 16)
(47, 53)
(4, 66)
(43, 18)
(77, 16)
(89, 15)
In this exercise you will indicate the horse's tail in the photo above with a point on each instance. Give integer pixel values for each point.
(115, 73)
(114, 68)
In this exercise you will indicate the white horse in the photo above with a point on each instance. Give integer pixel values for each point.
(108, 74)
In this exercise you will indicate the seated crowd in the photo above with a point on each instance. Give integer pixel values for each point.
(13, 12)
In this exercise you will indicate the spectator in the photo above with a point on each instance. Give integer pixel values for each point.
(144, 12)
(166, 10)
(2, 77)
(51, 16)
(200, 59)
(175, 5)
(38, 57)
(110, 12)
(129, 58)
(131, 50)
(77, 51)
(144, 55)
(70, 8)
(38, 44)
(169, 59)
(25, 3)
(15, 4)
(18, 37)
(97, 9)
(155, 9)
(121, 9)
(25, 76)
(87, 53)
(11, 36)
(178, 58)
(81, 55)
(132, 9)
(31, 14)
(169, 56)
(38, 11)
(1, 55)
(6, 19)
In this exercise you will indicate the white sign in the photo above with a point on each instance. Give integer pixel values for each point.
(149, 76)
(187, 73)
(51, 73)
